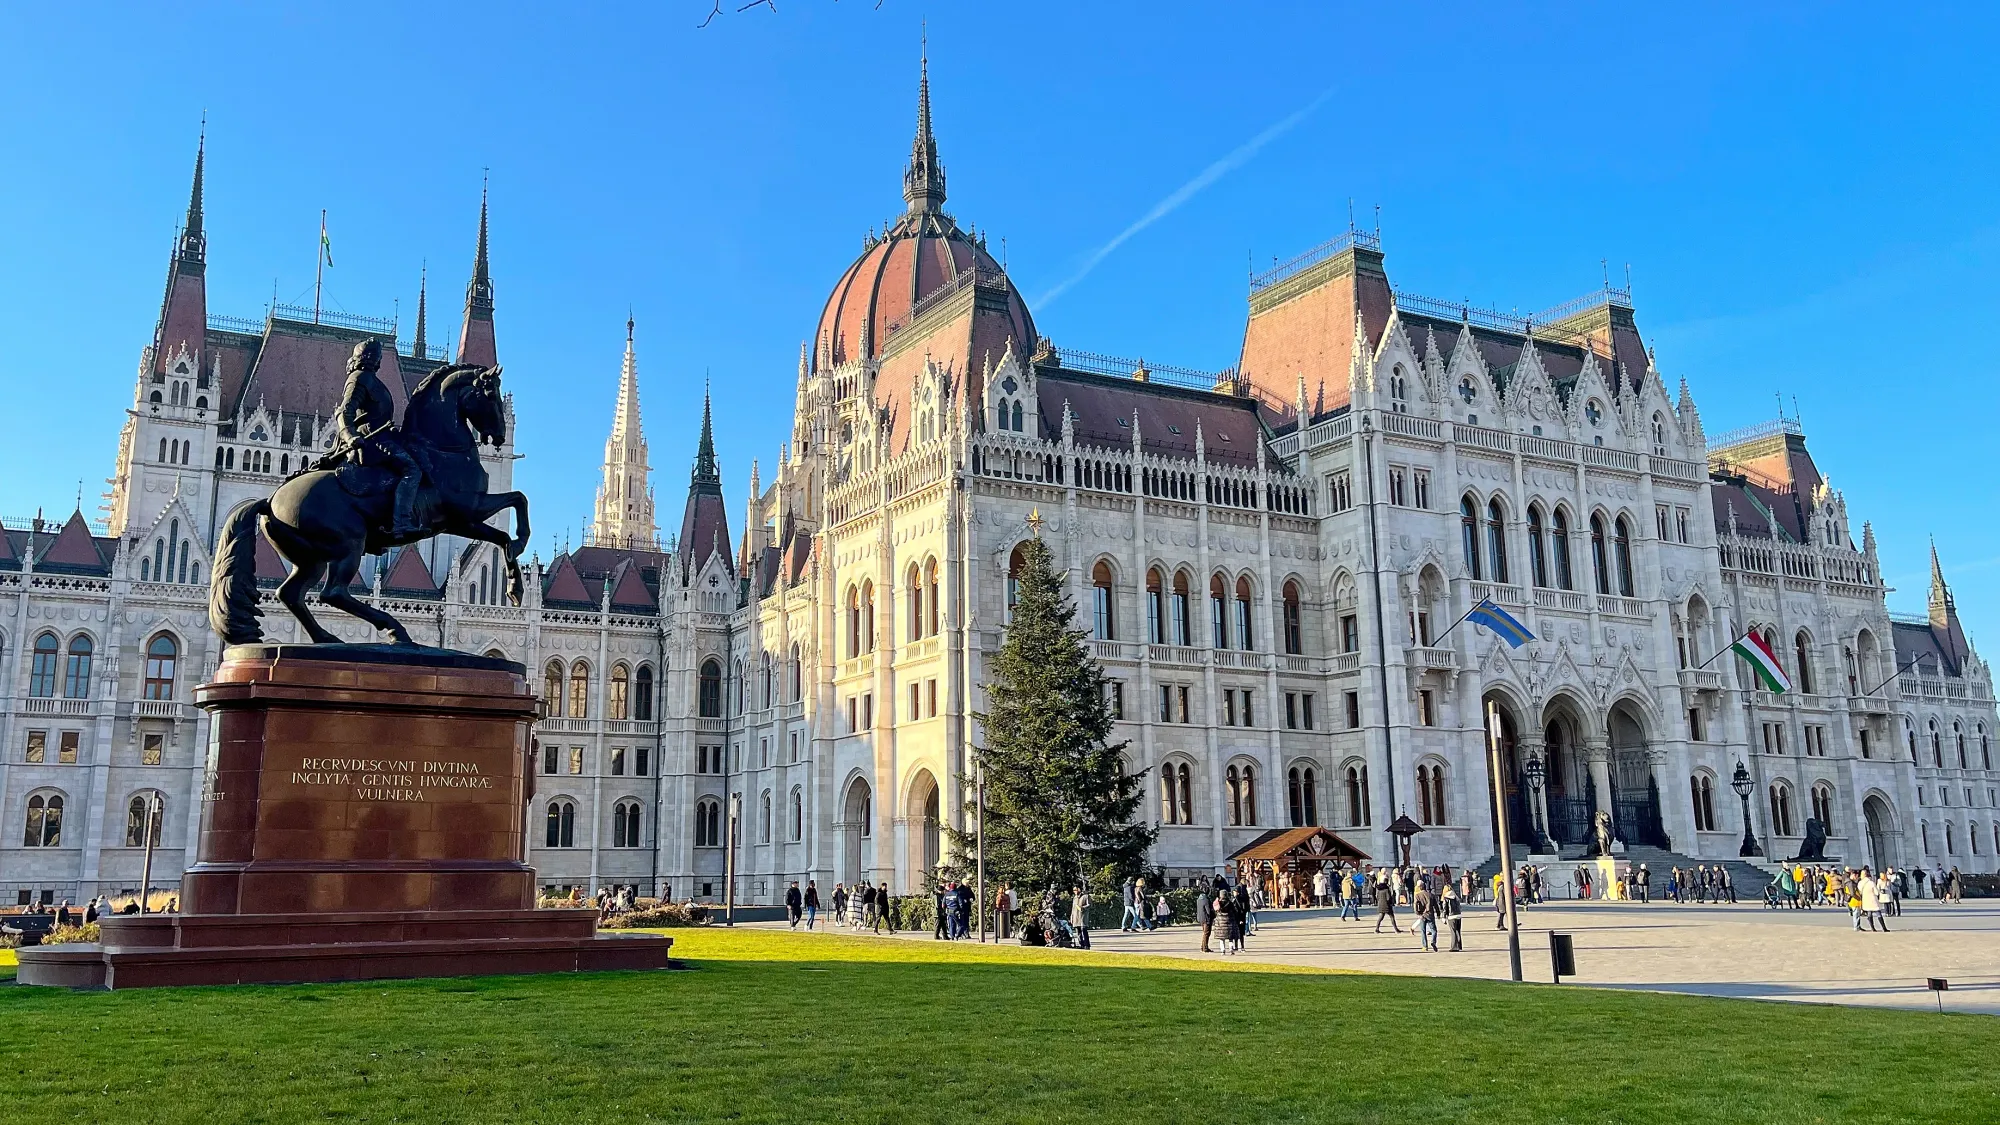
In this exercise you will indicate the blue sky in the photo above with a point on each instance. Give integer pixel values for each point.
(1804, 198)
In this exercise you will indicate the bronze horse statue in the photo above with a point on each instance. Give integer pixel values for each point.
(324, 519)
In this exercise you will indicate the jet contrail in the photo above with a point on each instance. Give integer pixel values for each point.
(1184, 193)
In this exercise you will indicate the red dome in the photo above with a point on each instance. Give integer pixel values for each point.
(924, 255)
(921, 257)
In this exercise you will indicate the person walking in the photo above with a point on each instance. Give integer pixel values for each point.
(1453, 908)
(812, 902)
(1163, 911)
(882, 908)
(1232, 907)
(794, 904)
(840, 904)
(1869, 890)
(1079, 916)
(1643, 879)
(1350, 896)
(1204, 915)
(1425, 908)
(1385, 906)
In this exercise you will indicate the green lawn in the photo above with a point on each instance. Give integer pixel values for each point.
(772, 1026)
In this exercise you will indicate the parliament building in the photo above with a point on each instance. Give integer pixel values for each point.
(1268, 561)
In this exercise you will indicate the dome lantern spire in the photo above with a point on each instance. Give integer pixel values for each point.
(923, 180)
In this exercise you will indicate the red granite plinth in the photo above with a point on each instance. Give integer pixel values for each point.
(364, 817)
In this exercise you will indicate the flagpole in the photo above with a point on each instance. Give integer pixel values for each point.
(1439, 639)
(319, 263)
(1897, 675)
(1730, 647)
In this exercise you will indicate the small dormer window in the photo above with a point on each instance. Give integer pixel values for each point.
(1538, 431)
(258, 434)
(1594, 412)
(1173, 429)
(1468, 390)
(1009, 385)
(1125, 423)
(1472, 419)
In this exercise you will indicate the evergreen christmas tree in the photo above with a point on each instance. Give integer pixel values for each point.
(1059, 804)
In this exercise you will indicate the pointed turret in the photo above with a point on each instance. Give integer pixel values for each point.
(1944, 618)
(475, 338)
(418, 346)
(923, 180)
(625, 497)
(184, 311)
(705, 523)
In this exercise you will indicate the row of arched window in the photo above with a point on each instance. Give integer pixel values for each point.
(1951, 837)
(144, 815)
(1483, 540)
(1938, 746)
(59, 670)
(1167, 604)
(1239, 779)
(560, 824)
(566, 691)
(171, 559)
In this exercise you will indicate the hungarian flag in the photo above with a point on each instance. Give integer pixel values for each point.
(325, 243)
(1763, 661)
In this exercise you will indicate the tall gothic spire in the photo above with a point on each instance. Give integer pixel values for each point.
(475, 340)
(707, 477)
(417, 343)
(194, 240)
(923, 180)
(1941, 604)
(625, 498)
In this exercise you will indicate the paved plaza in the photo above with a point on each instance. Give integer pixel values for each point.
(1742, 951)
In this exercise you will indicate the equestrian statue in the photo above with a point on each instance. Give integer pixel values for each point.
(379, 487)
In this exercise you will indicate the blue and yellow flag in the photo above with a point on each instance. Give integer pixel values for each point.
(1501, 622)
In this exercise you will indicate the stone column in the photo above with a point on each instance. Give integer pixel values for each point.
(1597, 755)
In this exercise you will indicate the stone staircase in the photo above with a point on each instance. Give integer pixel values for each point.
(1750, 878)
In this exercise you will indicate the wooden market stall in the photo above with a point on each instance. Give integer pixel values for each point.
(1284, 860)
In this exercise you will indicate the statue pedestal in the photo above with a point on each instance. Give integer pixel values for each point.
(364, 816)
(1607, 878)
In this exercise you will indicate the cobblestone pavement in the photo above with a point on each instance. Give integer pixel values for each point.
(1746, 951)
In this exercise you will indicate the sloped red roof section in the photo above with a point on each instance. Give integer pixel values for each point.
(74, 548)
(628, 590)
(565, 584)
(409, 575)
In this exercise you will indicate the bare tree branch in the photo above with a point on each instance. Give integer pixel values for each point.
(711, 16)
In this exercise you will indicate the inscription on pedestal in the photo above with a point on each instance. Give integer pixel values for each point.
(392, 779)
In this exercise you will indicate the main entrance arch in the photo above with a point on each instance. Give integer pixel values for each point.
(856, 810)
(1881, 823)
(920, 811)
(1635, 792)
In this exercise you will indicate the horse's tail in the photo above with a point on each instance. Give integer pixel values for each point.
(232, 581)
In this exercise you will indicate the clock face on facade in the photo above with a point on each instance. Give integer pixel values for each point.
(1317, 845)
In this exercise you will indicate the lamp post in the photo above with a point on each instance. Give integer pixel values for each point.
(1536, 771)
(151, 828)
(729, 862)
(1742, 784)
(1506, 845)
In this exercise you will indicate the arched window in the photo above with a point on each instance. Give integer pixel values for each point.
(1702, 789)
(913, 595)
(708, 823)
(1937, 746)
(796, 676)
(868, 616)
(620, 704)
(1622, 554)
(1496, 538)
(1538, 566)
(1430, 793)
(1241, 782)
(1302, 793)
(161, 656)
(1295, 637)
(854, 620)
(44, 821)
(561, 831)
(1177, 793)
(1559, 549)
(711, 689)
(642, 694)
(42, 674)
(1468, 526)
(1924, 834)
(1950, 838)
(144, 811)
(625, 824)
(1179, 619)
(1017, 418)
(1781, 809)
(76, 670)
(579, 690)
(1802, 652)
(1357, 796)
(1244, 633)
(1015, 563)
(1156, 607)
(1958, 736)
(931, 597)
(1822, 806)
(1103, 622)
(764, 817)
(1659, 435)
(552, 688)
(1600, 561)
(798, 814)
(1985, 749)
(1218, 611)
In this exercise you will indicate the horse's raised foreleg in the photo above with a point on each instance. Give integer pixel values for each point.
(339, 577)
(292, 591)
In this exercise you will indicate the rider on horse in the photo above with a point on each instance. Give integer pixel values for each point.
(368, 434)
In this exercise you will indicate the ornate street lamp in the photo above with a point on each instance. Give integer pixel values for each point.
(1742, 784)
(1536, 771)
